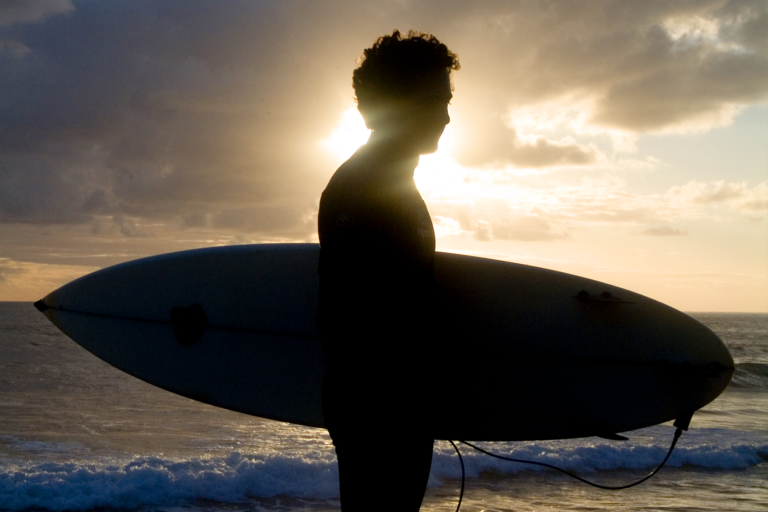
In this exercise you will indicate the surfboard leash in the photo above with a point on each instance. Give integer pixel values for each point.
(461, 461)
(678, 433)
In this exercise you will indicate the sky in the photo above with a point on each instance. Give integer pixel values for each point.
(623, 141)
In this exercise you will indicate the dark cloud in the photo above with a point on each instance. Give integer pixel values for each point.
(263, 219)
(672, 95)
(30, 11)
(601, 47)
(130, 227)
(209, 114)
(142, 110)
(637, 67)
(43, 188)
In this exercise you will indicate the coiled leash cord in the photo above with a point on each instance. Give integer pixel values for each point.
(678, 433)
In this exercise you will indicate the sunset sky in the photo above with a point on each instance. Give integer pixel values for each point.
(626, 141)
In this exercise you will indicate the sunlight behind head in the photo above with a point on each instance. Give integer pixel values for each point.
(350, 134)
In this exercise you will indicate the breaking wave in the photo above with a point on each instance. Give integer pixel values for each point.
(147, 481)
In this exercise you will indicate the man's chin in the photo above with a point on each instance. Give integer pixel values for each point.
(428, 149)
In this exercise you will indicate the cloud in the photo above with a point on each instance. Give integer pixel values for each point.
(499, 145)
(664, 71)
(501, 206)
(663, 231)
(264, 220)
(202, 114)
(130, 227)
(525, 229)
(738, 196)
(31, 11)
(163, 113)
(21, 280)
(622, 68)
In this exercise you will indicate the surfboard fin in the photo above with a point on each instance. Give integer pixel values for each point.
(605, 298)
(189, 324)
(684, 421)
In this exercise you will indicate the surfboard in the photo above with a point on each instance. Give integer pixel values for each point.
(538, 354)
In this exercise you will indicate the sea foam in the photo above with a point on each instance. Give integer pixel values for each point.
(157, 481)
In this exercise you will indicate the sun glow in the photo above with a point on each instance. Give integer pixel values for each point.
(350, 134)
(439, 176)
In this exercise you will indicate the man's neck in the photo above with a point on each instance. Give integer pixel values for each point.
(394, 151)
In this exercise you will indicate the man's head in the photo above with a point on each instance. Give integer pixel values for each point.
(403, 88)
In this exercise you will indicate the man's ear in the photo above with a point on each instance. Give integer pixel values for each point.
(381, 115)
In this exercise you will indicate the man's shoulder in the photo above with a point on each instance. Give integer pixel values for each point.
(350, 173)
(351, 180)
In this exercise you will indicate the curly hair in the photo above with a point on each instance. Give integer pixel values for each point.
(393, 66)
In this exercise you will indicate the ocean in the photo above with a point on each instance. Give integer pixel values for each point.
(77, 434)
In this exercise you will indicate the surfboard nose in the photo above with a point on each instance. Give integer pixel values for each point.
(46, 305)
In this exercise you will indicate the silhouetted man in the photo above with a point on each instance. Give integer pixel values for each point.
(376, 309)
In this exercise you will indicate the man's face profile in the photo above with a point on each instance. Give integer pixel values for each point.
(428, 113)
(414, 123)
